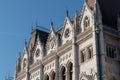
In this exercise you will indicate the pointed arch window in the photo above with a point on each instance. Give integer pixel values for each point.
(53, 76)
(90, 51)
(70, 71)
(83, 56)
(47, 77)
(63, 74)
(67, 33)
(24, 63)
(38, 53)
(86, 22)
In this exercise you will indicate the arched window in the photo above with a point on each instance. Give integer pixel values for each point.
(86, 22)
(90, 52)
(70, 71)
(47, 77)
(38, 52)
(24, 63)
(53, 76)
(67, 33)
(63, 75)
(83, 56)
(37, 79)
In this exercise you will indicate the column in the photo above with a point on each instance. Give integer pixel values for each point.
(56, 67)
(102, 49)
(41, 71)
(60, 76)
(75, 58)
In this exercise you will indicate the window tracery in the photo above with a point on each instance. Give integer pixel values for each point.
(63, 74)
(86, 22)
(67, 33)
(38, 53)
(24, 63)
(83, 55)
(90, 52)
(111, 51)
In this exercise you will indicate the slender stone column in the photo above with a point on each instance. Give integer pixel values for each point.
(56, 67)
(102, 49)
(68, 76)
(60, 76)
(66, 73)
(75, 58)
(41, 71)
(50, 77)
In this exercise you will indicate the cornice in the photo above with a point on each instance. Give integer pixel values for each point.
(21, 75)
(35, 66)
(50, 57)
(82, 37)
(64, 48)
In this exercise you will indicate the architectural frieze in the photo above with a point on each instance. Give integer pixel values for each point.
(21, 75)
(35, 66)
(84, 36)
(50, 57)
(65, 50)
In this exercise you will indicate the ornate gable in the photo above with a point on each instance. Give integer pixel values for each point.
(42, 38)
(67, 30)
(24, 58)
(86, 19)
(51, 41)
(38, 52)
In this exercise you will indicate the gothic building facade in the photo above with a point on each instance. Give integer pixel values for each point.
(86, 47)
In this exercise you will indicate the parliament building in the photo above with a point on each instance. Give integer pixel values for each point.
(86, 47)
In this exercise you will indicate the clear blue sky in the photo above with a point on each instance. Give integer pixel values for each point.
(16, 19)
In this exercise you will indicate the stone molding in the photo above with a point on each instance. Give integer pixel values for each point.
(21, 75)
(80, 38)
(35, 66)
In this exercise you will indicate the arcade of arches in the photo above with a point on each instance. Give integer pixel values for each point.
(66, 73)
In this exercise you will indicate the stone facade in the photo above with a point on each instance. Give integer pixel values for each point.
(82, 49)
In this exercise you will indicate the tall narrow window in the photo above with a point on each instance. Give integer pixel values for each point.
(63, 73)
(24, 63)
(53, 76)
(110, 51)
(47, 77)
(86, 22)
(83, 55)
(38, 53)
(90, 52)
(70, 68)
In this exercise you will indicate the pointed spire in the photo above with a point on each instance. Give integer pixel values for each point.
(51, 24)
(76, 14)
(75, 18)
(67, 13)
(25, 43)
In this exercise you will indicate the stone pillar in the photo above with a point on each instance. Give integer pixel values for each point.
(56, 67)
(50, 77)
(102, 53)
(66, 73)
(75, 58)
(41, 71)
(60, 76)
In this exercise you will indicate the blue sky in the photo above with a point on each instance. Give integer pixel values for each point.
(17, 18)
